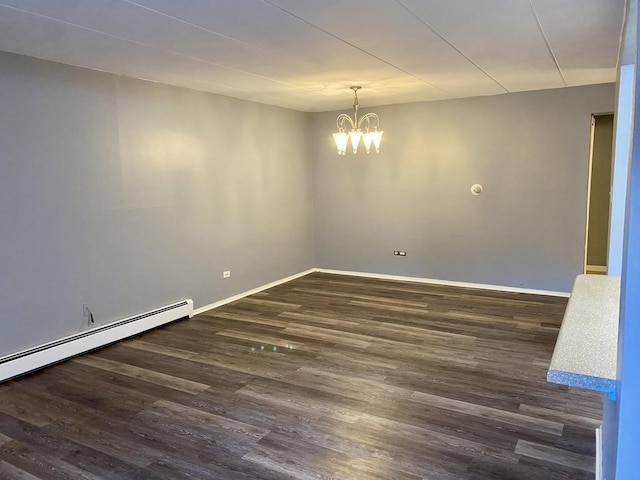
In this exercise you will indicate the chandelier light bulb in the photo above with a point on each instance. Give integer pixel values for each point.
(366, 139)
(377, 136)
(341, 139)
(355, 139)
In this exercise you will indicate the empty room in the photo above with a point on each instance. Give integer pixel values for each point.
(278, 239)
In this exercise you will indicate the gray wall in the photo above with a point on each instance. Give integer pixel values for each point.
(529, 150)
(130, 195)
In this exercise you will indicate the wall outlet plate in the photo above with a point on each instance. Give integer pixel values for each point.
(226, 274)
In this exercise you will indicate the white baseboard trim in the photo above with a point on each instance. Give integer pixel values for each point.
(599, 453)
(224, 301)
(38, 357)
(481, 286)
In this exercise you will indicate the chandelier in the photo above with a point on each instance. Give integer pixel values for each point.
(370, 120)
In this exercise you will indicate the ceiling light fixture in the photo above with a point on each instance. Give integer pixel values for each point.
(368, 137)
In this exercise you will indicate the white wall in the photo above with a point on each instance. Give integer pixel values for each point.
(621, 160)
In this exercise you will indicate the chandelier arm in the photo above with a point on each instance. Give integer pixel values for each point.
(340, 122)
(369, 117)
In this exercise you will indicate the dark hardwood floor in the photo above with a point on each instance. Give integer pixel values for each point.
(325, 377)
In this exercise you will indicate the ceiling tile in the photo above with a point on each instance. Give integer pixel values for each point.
(419, 52)
(584, 40)
(305, 55)
(502, 37)
(131, 22)
(65, 43)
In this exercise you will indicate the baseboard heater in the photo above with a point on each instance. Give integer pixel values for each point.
(38, 357)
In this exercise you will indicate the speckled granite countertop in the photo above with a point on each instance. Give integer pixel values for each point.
(586, 350)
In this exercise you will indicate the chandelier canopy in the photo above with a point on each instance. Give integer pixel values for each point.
(369, 121)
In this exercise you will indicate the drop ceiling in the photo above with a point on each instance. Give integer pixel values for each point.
(304, 54)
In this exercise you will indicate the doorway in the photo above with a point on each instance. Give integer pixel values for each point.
(599, 194)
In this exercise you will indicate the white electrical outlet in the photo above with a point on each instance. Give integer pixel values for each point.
(226, 274)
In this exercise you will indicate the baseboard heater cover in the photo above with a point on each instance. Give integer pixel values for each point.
(40, 356)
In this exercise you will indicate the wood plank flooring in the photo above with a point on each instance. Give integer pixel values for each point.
(324, 377)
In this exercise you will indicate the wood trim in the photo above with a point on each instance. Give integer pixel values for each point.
(596, 269)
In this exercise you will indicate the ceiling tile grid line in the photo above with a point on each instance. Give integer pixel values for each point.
(584, 40)
(56, 39)
(444, 39)
(227, 37)
(546, 40)
(272, 52)
(360, 49)
(499, 35)
(128, 40)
